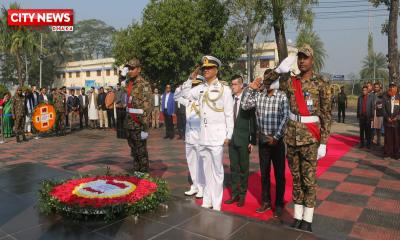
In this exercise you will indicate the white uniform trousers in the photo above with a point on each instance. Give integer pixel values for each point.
(214, 175)
(195, 164)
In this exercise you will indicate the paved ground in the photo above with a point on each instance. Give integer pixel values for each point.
(358, 197)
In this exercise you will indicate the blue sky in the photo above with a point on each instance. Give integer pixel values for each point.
(345, 39)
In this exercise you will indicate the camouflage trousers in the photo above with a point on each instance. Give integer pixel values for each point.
(138, 151)
(19, 125)
(60, 122)
(303, 165)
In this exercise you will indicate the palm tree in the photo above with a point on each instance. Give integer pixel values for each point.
(311, 38)
(374, 62)
(16, 41)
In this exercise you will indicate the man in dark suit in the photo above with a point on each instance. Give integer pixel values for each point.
(43, 98)
(243, 139)
(83, 109)
(168, 106)
(392, 122)
(181, 119)
(35, 96)
(365, 116)
(72, 107)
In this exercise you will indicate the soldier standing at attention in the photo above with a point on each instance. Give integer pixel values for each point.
(342, 104)
(59, 105)
(307, 132)
(18, 111)
(216, 128)
(310, 116)
(138, 111)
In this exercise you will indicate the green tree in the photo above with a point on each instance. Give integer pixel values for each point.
(390, 28)
(173, 36)
(310, 37)
(300, 10)
(18, 42)
(374, 64)
(92, 39)
(250, 17)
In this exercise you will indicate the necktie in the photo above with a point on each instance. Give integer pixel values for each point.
(235, 106)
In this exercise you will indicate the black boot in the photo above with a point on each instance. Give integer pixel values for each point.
(305, 226)
(296, 223)
(24, 138)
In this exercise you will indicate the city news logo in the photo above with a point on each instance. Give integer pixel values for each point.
(57, 19)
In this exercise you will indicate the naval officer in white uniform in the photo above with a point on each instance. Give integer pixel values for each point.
(216, 128)
(192, 138)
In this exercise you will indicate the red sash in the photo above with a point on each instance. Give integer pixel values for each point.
(129, 90)
(303, 110)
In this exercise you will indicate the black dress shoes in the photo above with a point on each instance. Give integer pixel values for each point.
(264, 207)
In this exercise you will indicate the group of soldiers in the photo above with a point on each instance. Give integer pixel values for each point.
(210, 124)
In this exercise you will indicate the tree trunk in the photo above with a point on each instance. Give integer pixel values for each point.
(393, 53)
(279, 29)
(19, 70)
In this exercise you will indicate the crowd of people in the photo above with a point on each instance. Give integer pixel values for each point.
(378, 113)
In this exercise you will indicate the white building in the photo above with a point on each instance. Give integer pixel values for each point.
(88, 73)
(265, 55)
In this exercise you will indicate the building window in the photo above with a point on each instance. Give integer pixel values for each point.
(78, 74)
(87, 73)
(63, 75)
(70, 75)
(108, 72)
(115, 72)
(98, 73)
(264, 63)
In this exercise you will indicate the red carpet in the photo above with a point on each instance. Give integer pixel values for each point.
(338, 145)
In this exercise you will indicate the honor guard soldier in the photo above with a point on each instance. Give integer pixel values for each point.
(138, 111)
(18, 111)
(192, 138)
(307, 132)
(216, 128)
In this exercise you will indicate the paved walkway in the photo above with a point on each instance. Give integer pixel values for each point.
(358, 197)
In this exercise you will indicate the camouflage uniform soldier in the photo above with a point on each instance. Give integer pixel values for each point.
(139, 110)
(307, 131)
(59, 105)
(18, 111)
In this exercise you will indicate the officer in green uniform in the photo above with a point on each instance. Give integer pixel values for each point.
(18, 111)
(59, 105)
(307, 131)
(138, 112)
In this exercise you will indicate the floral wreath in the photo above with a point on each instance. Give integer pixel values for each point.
(107, 197)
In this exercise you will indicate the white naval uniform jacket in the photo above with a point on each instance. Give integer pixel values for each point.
(215, 127)
(192, 134)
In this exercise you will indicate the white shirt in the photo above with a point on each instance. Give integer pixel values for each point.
(45, 98)
(392, 104)
(156, 100)
(238, 103)
(166, 101)
(83, 100)
(192, 133)
(215, 127)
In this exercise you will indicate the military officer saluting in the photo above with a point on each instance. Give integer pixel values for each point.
(192, 138)
(307, 131)
(138, 111)
(216, 128)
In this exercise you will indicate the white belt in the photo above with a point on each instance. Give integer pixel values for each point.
(303, 119)
(135, 110)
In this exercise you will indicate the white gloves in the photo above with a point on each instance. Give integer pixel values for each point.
(321, 151)
(285, 65)
(144, 135)
(124, 71)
